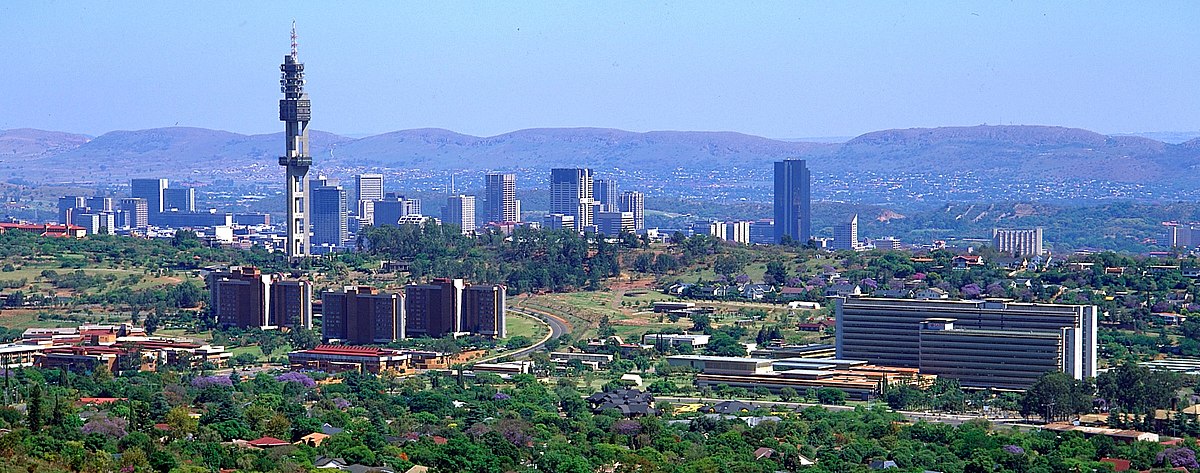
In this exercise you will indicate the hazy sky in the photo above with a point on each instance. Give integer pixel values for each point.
(782, 70)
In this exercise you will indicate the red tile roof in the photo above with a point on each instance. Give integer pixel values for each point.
(267, 442)
(1118, 463)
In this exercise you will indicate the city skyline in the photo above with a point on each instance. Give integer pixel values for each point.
(862, 66)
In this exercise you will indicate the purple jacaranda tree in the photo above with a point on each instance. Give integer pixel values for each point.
(202, 382)
(971, 290)
(114, 427)
(298, 378)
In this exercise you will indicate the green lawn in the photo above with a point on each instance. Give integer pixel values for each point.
(520, 325)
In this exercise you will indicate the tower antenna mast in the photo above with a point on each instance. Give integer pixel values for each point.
(293, 38)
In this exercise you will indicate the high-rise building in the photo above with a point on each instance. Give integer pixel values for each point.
(328, 213)
(240, 297)
(983, 344)
(295, 110)
(1183, 235)
(634, 201)
(67, 206)
(362, 315)
(845, 235)
(433, 309)
(500, 204)
(136, 213)
(152, 191)
(484, 309)
(179, 199)
(394, 206)
(1021, 242)
(94, 223)
(368, 187)
(762, 232)
(709, 227)
(738, 232)
(460, 212)
(571, 194)
(245, 297)
(291, 303)
(604, 191)
(793, 201)
(612, 224)
(100, 204)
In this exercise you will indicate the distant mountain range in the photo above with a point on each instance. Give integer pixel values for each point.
(1010, 152)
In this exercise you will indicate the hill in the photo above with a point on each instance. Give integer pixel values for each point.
(1036, 153)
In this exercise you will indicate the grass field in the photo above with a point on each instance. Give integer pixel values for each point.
(520, 325)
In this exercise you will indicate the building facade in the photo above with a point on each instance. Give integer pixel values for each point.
(433, 309)
(1021, 242)
(244, 297)
(614, 223)
(557, 221)
(484, 310)
(889, 332)
(362, 315)
(793, 201)
(571, 194)
(368, 187)
(500, 204)
(328, 212)
(604, 191)
(845, 235)
(394, 206)
(136, 212)
(151, 190)
(460, 212)
(634, 201)
(179, 199)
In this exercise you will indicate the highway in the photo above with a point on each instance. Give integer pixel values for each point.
(558, 327)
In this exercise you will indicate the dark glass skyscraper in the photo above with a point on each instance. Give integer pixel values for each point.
(793, 201)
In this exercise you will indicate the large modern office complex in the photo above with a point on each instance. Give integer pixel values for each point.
(983, 344)
(244, 297)
(329, 214)
(793, 201)
(634, 201)
(1023, 242)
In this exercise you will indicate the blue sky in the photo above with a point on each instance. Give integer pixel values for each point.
(776, 69)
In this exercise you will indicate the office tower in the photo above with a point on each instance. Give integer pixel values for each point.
(368, 187)
(571, 194)
(362, 315)
(483, 310)
(328, 213)
(295, 110)
(460, 212)
(982, 344)
(1021, 242)
(634, 201)
(845, 235)
(433, 309)
(100, 204)
(152, 191)
(1182, 235)
(709, 227)
(240, 297)
(888, 243)
(394, 206)
(67, 206)
(179, 199)
(604, 191)
(762, 232)
(614, 223)
(244, 297)
(291, 303)
(366, 212)
(738, 232)
(500, 203)
(793, 201)
(91, 222)
(136, 213)
(557, 221)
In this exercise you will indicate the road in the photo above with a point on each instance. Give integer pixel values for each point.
(952, 419)
(558, 327)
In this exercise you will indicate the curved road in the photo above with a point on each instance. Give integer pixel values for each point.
(558, 327)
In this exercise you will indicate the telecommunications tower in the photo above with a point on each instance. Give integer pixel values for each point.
(295, 110)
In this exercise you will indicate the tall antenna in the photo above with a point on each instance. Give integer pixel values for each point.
(293, 39)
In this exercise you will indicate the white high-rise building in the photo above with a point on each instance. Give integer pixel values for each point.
(460, 211)
(368, 187)
(1022, 242)
(634, 201)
